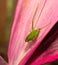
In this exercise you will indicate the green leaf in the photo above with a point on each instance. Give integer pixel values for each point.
(32, 35)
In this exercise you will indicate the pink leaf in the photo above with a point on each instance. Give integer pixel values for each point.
(2, 61)
(20, 51)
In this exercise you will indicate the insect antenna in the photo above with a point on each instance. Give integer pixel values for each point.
(44, 26)
(33, 18)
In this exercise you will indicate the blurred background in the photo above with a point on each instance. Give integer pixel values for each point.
(6, 16)
(7, 8)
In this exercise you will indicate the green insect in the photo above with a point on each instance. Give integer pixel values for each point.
(35, 32)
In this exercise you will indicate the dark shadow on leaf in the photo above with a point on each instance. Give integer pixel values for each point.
(45, 44)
